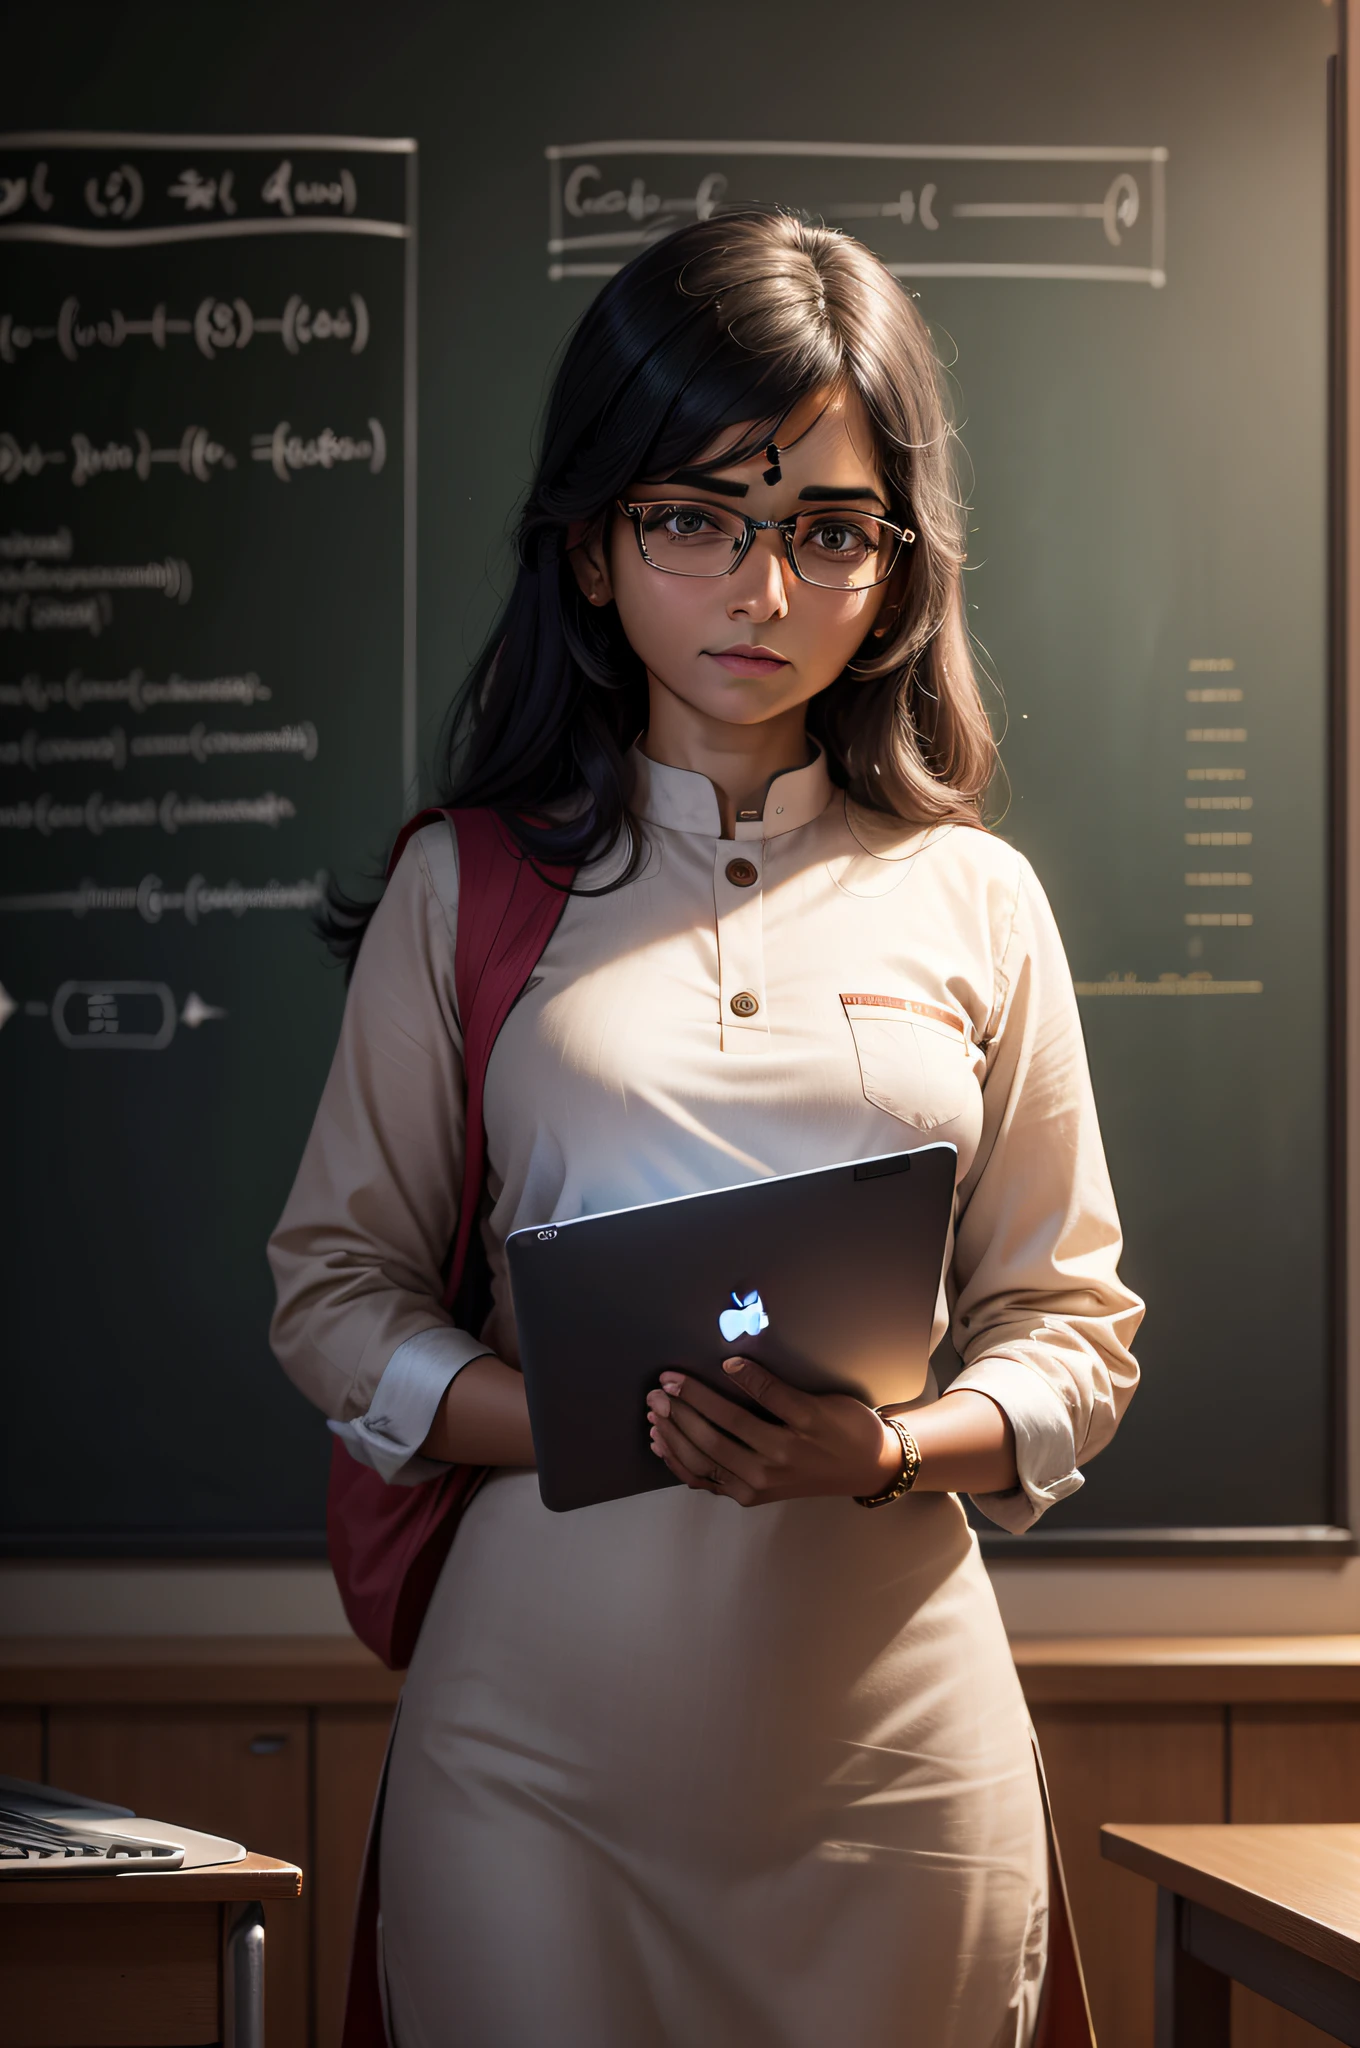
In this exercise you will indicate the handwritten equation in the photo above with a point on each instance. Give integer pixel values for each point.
(216, 327)
(150, 189)
(113, 749)
(154, 395)
(151, 900)
(47, 592)
(198, 453)
(1063, 212)
(140, 693)
(169, 813)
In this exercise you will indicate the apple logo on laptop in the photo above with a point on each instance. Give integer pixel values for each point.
(747, 1319)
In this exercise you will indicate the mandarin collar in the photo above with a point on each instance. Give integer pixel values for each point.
(686, 801)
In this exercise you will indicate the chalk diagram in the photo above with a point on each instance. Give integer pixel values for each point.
(986, 211)
(113, 1016)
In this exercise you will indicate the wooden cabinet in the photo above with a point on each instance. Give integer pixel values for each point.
(1141, 1763)
(238, 1772)
(280, 1743)
(1289, 1763)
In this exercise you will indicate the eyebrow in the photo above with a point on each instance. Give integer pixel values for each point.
(824, 494)
(704, 480)
(835, 494)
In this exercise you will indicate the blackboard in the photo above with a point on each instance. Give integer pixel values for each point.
(207, 688)
(1118, 226)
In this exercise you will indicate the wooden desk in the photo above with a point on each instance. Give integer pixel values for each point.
(1276, 1908)
(170, 1960)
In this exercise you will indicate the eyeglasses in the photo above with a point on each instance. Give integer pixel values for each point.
(834, 549)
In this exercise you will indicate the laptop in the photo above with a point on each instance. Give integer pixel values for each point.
(829, 1277)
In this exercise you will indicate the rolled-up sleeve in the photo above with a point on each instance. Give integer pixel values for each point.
(359, 1253)
(1040, 1317)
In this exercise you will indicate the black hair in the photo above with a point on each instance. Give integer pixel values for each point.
(727, 322)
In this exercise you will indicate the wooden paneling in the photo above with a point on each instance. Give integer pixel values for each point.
(1296, 1764)
(134, 1977)
(349, 1750)
(1134, 1764)
(21, 1743)
(212, 1671)
(233, 1773)
(315, 1671)
(1187, 1670)
(1132, 1729)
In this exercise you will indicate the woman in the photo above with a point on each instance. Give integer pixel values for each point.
(734, 1762)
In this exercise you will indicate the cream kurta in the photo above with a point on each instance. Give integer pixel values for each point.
(670, 1771)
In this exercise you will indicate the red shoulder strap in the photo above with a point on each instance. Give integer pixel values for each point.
(508, 909)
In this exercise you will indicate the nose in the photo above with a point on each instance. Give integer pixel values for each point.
(760, 582)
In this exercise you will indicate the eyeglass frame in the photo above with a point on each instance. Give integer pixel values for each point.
(632, 512)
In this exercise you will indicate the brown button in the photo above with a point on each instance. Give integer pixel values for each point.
(745, 1004)
(742, 873)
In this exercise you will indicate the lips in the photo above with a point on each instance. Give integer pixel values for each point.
(749, 661)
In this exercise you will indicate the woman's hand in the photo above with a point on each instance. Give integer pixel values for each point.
(829, 1443)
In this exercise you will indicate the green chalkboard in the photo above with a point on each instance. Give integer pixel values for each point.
(1118, 226)
(204, 691)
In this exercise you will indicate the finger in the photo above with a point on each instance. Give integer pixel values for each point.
(695, 1463)
(687, 1479)
(675, 1444)
(754, 1430)
(709, 1447)
(795, 1409)
(659, 1450)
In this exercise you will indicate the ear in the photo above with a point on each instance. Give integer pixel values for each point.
(589, 562)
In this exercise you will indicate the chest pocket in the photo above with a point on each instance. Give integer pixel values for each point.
(913, 1057)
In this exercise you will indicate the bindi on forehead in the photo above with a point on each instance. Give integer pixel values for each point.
(801, 447)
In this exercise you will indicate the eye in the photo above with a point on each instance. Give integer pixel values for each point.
(684, 522)
(846, 539)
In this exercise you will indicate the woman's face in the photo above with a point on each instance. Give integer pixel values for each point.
(752, 645)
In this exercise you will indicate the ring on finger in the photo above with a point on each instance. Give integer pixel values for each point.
(717, 1476)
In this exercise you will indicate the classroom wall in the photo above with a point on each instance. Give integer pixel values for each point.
(1171, 1598)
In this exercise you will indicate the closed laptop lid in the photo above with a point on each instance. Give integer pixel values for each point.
(830, 1277)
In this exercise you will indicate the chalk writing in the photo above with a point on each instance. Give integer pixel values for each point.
(114, 1015)
(36, 547)
(119, 193)
(216, 326)
(204, 195)
(1065, 212)
(113, 749)
(18, 460)
(151, 900)
(287, 452)
(75, 692)
(170, 578)
(18, 192)
(169, 813)
(281, 189)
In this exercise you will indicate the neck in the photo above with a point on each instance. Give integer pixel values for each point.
(739, 760)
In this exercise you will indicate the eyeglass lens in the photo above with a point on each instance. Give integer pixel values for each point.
(839, 550)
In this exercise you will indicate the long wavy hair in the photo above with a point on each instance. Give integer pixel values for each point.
(728, 322)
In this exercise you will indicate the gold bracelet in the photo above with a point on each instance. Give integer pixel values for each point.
(907, 1477)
